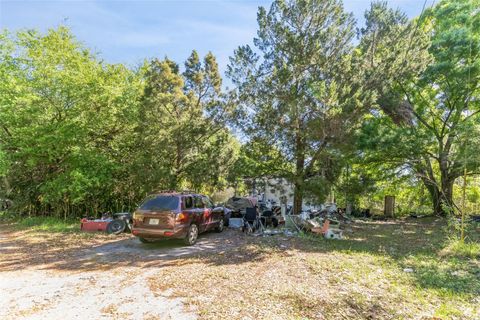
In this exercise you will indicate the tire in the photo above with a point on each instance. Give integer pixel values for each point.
(192, 235)
(116, 226)
(143, 240)
(275, 222)
(221, 225)
(226, 221)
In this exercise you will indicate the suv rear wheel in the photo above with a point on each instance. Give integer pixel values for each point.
(192, 235)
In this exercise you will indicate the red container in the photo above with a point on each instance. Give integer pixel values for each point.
(94, 225)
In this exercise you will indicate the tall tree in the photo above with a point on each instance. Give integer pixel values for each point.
(183, 136)
(427, 73)
(297, 90)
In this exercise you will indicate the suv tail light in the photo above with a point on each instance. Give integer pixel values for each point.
(181, 217)
(137, 216)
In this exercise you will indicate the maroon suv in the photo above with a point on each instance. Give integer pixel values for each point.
(176, 215)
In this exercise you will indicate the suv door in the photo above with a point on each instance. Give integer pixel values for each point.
(212, 217)
(202, 214)
(188, 207)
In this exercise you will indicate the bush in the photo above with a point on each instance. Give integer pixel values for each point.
(6, 216)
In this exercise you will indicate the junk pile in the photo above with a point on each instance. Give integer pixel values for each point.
(329, 222)
(256, 218)
(111, 223)
(240, 206)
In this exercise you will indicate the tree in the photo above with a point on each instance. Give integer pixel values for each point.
(183, 138)
(298, 91)
(79, 136)
(64, 117)
(426, 73)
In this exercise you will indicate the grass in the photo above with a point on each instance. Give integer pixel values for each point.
(463, 249)
(47, 224)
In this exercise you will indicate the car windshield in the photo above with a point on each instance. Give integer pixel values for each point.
(156, 203)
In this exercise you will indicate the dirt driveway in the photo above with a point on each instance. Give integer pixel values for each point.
(78, 276)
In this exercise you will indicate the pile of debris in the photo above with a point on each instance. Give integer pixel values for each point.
(331, 212)
(328, 222)
(256, 217)
(239, 206)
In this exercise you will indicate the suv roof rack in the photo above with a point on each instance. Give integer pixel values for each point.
(175, 191)
(166, 191)
(187, 191)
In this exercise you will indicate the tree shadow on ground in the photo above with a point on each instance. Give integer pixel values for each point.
(410, 244)
(398, 240)
(21, 250)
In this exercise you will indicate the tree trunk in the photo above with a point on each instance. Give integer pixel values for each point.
(299, 174)
(437, 204)
(446, 198)
(297, 198)
(442, 199)
(441, 192)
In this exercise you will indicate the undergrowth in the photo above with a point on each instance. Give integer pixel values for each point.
(47, 224)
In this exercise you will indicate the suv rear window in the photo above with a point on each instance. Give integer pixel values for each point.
(155, 203)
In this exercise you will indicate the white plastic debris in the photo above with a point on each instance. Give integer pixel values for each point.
(304, 215)
(289, 233)
(333, 234)
(332, 208)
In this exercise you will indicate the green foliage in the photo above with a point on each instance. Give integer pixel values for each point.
(3, 163)
(462, 249)
(6, 216)
(356, 182)
(299, 91)
(64, 116)
(80, 136)
(183, 128)
(258, 159)
(426, 73)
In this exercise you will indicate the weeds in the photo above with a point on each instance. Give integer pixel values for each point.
(461, 249)
(48, 224)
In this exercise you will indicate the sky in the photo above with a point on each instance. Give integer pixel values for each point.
(127, 32)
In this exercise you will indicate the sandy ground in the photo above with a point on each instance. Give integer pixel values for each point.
(92, 295)
(46, 276)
